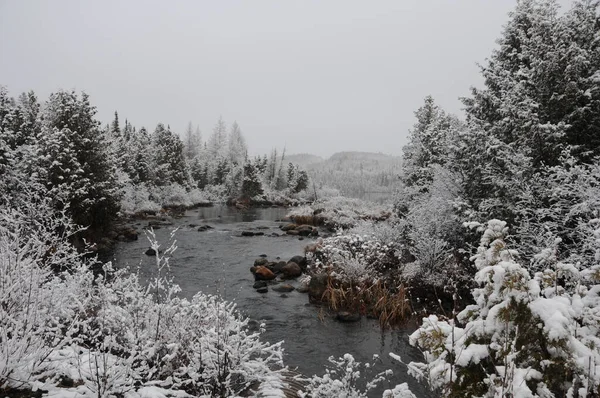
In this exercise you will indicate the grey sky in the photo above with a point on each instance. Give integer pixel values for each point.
(315, 76)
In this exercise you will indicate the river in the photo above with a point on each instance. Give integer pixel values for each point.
(219, 261)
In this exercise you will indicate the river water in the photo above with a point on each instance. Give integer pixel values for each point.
(219, 261)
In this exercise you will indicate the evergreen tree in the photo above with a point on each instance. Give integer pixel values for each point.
(169, 162)
(78, 170)
(193, 142)
(237, 149)
(217, 143)
(251, 185)
(141, 161)
(429, 144)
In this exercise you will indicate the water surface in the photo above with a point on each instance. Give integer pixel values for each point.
(219, 261)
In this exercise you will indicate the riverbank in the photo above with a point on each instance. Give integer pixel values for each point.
(218, 261)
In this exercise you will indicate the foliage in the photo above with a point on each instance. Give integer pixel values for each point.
(108, 332)
(341, 380)
(489, 349)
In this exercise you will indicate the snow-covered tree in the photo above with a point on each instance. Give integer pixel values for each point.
(251, 184)
(217, 142)
(237, 149)
(76, 160)
(168, 157)
(192, 141)
(429, 144)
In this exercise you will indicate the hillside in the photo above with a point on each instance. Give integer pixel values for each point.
(365, 175)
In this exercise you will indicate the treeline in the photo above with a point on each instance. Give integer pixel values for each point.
(522, 317)
(94, 171)
(528, 150)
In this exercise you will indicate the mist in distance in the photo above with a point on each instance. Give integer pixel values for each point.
(314, 77)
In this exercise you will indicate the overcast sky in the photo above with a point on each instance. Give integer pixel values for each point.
(315, 76)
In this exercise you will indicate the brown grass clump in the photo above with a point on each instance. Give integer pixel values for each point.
(390, 306)
(308, 220)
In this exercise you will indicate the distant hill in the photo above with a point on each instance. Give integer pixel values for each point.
(354, 174)
(361, 156)
(304, 159)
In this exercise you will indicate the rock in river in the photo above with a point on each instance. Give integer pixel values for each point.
(262, 289)
(285, 288)
(345, 316)
(300, 260)
(260, 261)
(291, 270)
(259, 284)
(263, 274)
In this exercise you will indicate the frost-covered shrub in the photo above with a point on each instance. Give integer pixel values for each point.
(138, 198)
(147, 198)
(524, 336)
(572, 193)
(355, 258)
(430, 224)
(342, 380)
(108, 332)
(341, 212)
(33, 321)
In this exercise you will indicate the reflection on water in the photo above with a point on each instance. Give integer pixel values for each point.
(218, 261)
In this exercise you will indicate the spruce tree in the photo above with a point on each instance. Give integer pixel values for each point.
(85, 177)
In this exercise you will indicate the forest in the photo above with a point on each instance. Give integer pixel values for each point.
(490, 245)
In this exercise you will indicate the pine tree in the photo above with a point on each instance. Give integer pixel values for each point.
(217, 143)
(193, 142)
(169, 161)
(429, 144)
(251, 185)
(237, 149)
(80, 172)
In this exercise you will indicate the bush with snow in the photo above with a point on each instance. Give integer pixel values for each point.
(341, 212)
(342, 380)
(108, 332)
(524, 336)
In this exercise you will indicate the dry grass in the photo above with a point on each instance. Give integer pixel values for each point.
(308, 220)
(391, 307)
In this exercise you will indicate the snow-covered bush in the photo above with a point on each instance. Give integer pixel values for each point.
(138, 198)
(430, 224)
(524, 336)
(355, 257)
(143, 197)
(341, 212)
(342, 380)
(106, 331)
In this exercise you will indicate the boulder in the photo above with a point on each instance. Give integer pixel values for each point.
(316, 287)
(259, 284)
(204, 228)
(152, 252)
(347, 317)
(278, 267)
(300, 260)
(288, 227)
(291, 270)
(285, 288)
(263, 274)
(302, 289)
(263, 256)
(292, 232)
(262, 289)
(128, 234)
(304, 230)
(260, 261)
(247, 233)
(259, 233)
